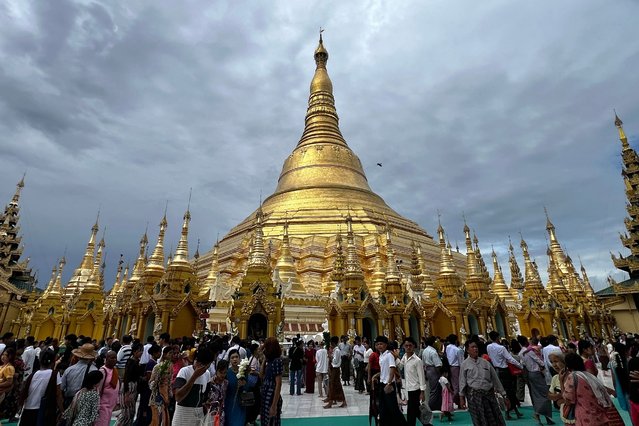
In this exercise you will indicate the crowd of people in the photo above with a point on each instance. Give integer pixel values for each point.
(227, 381)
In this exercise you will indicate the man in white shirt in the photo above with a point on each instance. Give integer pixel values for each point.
(389, 413)
(414, 381)
(432, 365)
(144, 359)
(31, 352)
(335, 391)
(500, 358)
(358, 360)
(321, 367)
(455, 356)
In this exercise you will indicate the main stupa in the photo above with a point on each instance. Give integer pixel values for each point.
(322, 183)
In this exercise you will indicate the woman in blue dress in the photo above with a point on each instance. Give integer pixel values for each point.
(234, 413)
(271, 409)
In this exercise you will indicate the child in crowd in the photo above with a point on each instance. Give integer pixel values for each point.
(447, 397)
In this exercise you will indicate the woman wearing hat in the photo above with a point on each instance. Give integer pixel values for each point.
(73, 376)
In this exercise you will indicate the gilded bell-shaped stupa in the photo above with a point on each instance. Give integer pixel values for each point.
(322, 189)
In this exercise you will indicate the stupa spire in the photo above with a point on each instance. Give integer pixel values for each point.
(51, 285)
(89, 253)
(622, 134)
(516, 279)
(321, 116)
(446, 264)
(212, 275)
(286, 264)
(57, 288)
(338, 264)
(138, 267)
(555, 284)
(156, 261)
(257, 257)
(353, 267)
(499, 284)
(181, 256)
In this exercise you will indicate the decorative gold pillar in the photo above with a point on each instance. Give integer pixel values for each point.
(406, 327)
(141, 327)
(165, 320)
(243, 328)
(482, 325)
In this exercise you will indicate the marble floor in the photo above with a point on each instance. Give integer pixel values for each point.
(311, 405)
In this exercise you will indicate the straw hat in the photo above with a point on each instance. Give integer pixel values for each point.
(86, 351)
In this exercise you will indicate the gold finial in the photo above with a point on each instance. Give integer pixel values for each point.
(622, 134)
(156, 261)
(19, 186)
(87, 260)
(181, 256)
(257, 257)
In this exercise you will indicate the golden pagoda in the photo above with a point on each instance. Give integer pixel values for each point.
(323, 252)
(322, 190)
(17, 284)
(620, 298)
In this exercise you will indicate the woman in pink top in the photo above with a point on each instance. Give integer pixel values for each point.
(592, 405)
(108, 389)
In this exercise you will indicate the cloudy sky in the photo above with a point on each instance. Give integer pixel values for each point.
(494, 109)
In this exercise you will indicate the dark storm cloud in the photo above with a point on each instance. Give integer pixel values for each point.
(494, 111)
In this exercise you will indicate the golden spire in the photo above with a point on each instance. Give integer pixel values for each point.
(378, 278)
(353, 268)
(531, 272)
(427, 281)
(471, 259)
(257, 257)
(212, 275)
(58, 281)
(622, 134)
(499, 284)
(557, 252)
(51, 285)
(125, 280)
(118, 280)
(89, 254)
(95, 281)
(338, 264)
(440, 233)
(286, 264)
(555, 284)
(138, 267)
(181, 257)
(516, 279)
(446, 265)
(16, 196)
(156, 261)
(587, 286)
(322, 159)
(321, 117)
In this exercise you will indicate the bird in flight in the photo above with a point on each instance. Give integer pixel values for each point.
(379, 164)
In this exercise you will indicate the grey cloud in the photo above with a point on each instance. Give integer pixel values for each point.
(488, 109)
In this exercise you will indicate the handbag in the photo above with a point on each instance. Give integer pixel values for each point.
(247, 399)
(425, 414)
(514, 370)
